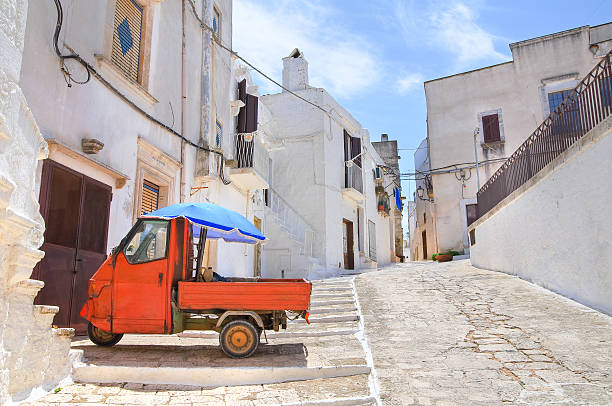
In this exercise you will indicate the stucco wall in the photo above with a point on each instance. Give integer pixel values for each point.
(32, 354)
(557, 230)
(518, 90)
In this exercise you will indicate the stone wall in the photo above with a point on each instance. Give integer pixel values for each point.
(556, 229)
(32, 354)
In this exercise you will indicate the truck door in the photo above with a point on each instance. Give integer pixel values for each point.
(140, 293)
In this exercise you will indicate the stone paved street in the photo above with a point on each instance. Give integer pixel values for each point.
(438, 334)
(450, 334)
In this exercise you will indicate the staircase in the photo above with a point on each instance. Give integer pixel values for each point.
(289, 253)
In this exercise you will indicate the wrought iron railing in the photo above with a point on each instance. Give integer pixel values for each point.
(295, 225)
(585, 107)
(354, 178)
(250, 152)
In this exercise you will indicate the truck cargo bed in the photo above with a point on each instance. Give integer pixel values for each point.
(260, 294)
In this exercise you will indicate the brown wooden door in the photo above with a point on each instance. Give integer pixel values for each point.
(76, 212)
(424, 238)
(257, 250)
(347, 244)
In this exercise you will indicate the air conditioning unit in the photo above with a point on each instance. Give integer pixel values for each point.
(378, 174)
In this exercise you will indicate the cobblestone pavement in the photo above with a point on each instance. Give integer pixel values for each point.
(450, 334)
(329, 341)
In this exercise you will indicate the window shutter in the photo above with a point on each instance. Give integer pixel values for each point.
(242, 96)
(126, 38)
(150, 197)
(490, 126)
(347, 145)
(251, 113)
(356, 150)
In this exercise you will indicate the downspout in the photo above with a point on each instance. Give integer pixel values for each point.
(183, 171)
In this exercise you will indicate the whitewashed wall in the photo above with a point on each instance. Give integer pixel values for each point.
(33, 356)
(519, 89)
(557, 230)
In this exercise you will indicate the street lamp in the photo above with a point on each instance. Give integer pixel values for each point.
(420, 192)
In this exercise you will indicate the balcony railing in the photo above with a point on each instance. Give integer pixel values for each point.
(287, 217)
(353, 178)
(585, 107)
(251, 162)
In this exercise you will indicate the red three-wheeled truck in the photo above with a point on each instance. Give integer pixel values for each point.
(154, 283)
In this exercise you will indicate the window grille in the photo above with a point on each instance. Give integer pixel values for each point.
(218, 135)
(216, 22)
(150, 197)
(127, 38)
(555, 99)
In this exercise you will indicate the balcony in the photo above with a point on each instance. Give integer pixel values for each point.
(251, 163)
(353, 183)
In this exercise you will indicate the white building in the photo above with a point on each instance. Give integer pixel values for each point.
(322, 198)
(423, 242)
(155, 125)
(504, 103)
(33, 355)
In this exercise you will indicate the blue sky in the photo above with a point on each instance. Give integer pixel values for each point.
(373, 55)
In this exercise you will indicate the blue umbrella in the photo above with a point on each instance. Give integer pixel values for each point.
(219, 221)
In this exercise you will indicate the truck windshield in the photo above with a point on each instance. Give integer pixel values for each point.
(148, 243)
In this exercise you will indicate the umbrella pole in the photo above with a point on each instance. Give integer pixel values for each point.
(201, 247)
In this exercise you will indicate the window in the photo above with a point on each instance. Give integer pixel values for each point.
(216, 23)
(605, 86)
(424, 218)
(149, 242)
(150, 197)
(127, 39)
(218, 135)
(490, 128)
(471, 211)
(556, 98)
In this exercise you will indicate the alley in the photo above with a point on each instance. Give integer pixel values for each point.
(451, 334)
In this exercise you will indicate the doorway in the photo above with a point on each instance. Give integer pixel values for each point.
(347, 244)
(76, 212)
(257, 250)
(424, 238)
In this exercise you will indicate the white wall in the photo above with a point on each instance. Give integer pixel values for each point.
(33, 355)
(519, 90)
(557, 232)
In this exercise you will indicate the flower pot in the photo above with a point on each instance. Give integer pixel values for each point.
(444, 258)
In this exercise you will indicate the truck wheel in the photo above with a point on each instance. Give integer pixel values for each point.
(101, 337)
(239, 339)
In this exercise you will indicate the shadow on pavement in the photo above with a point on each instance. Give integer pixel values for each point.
(189, 356)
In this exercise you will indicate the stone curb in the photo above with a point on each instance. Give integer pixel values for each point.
(210, 376)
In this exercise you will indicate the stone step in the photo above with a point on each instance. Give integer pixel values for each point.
(328, 319)
(332, 309)
(158, 359)
(342, 295)
(332, 289)
(44, 315)
(338, 391)
(327, 303)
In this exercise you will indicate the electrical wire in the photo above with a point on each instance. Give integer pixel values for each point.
(67, 75)
(91, 71)
(235, 54)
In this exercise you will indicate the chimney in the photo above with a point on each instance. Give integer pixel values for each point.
(295, 71)
(384, 137)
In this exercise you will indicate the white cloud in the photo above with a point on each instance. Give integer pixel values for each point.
(409, 82)
(456, 30)
(339, 60)
(452, 28)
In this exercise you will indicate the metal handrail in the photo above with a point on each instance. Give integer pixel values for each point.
(586, 106)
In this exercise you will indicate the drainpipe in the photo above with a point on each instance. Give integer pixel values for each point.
(476, 132)
(183, 172)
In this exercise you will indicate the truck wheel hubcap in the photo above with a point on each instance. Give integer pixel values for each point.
(239, 339)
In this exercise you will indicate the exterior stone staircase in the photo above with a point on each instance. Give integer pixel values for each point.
(290, 235)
